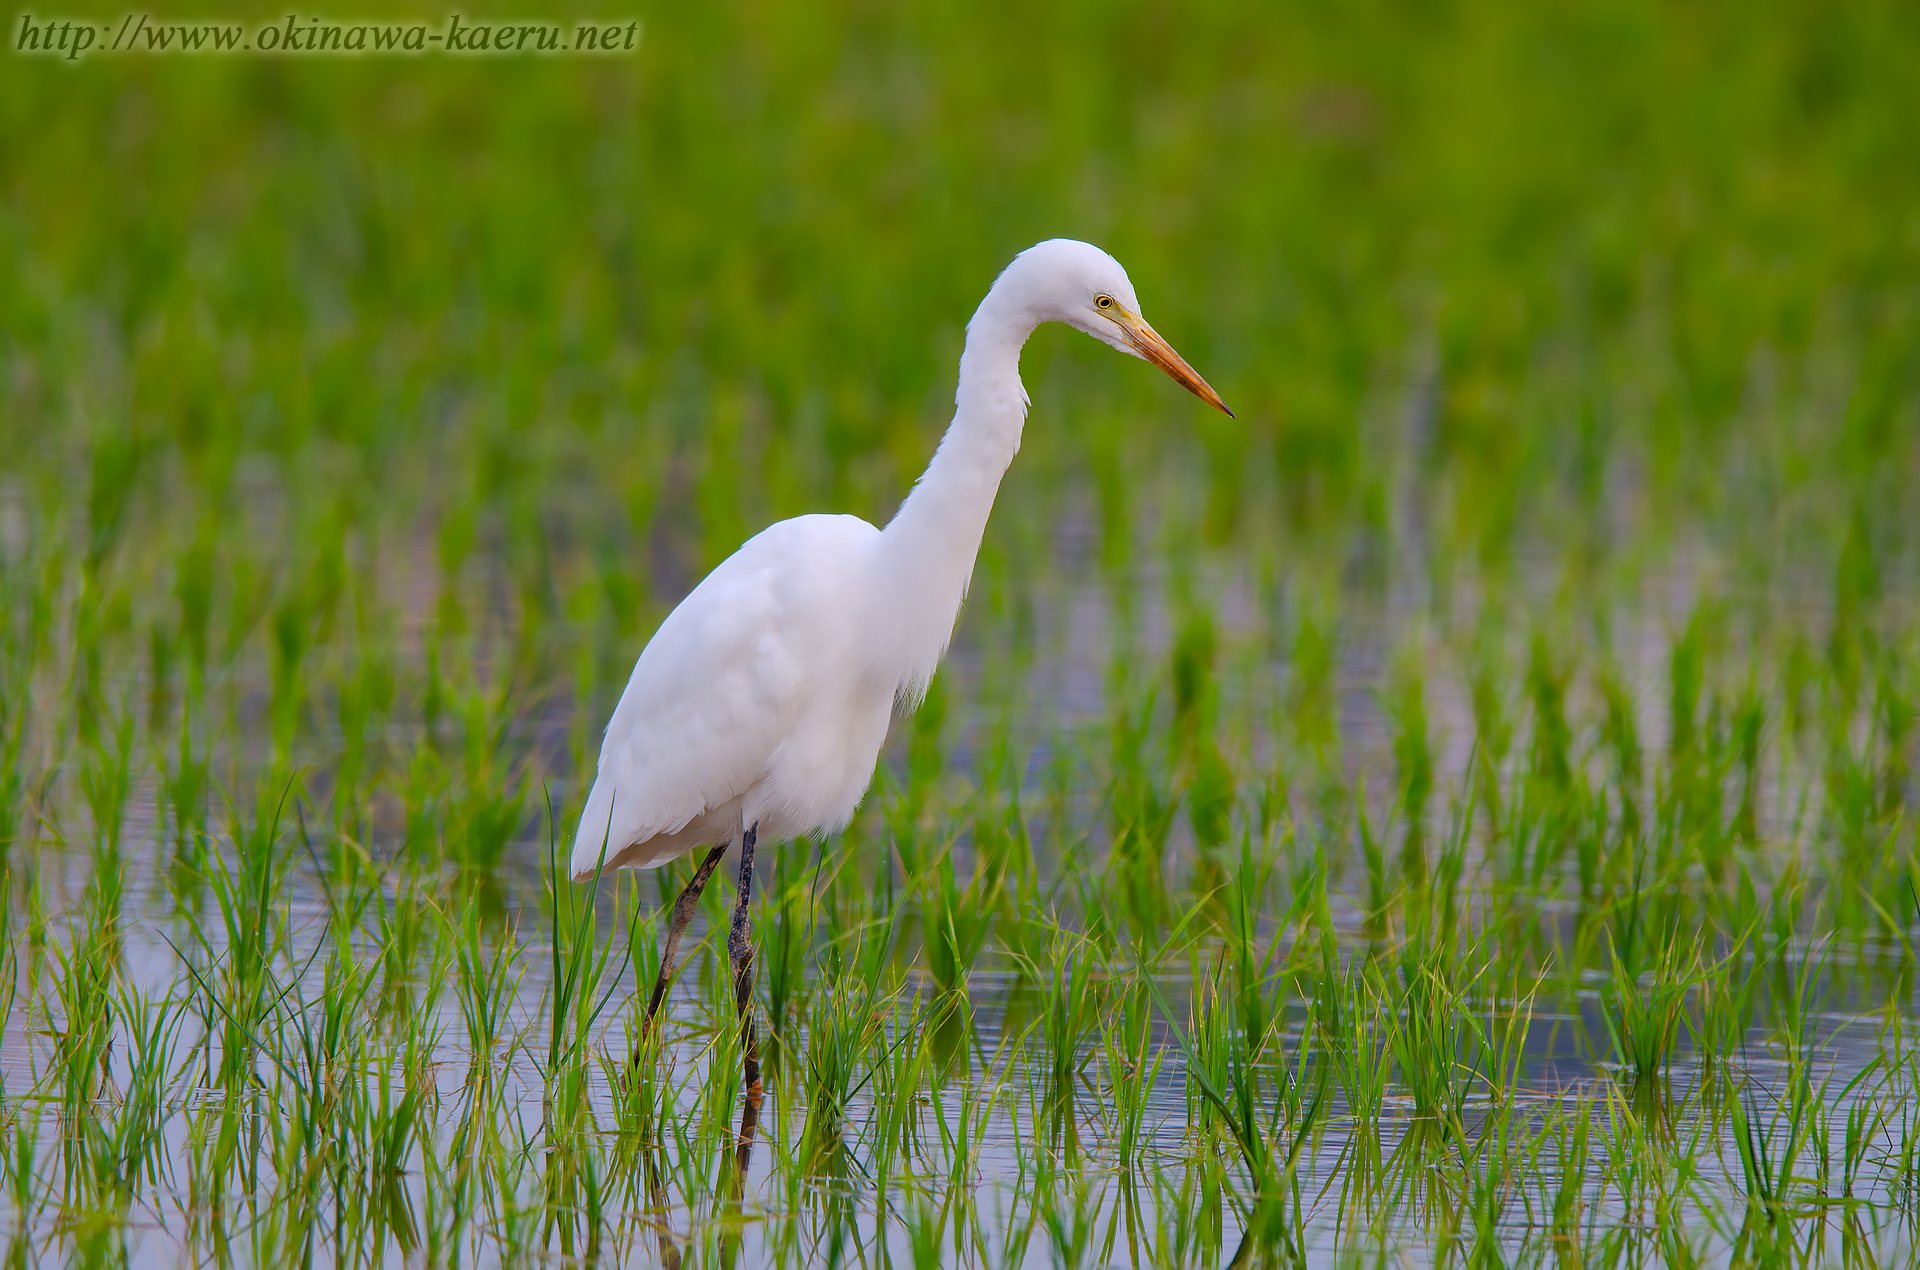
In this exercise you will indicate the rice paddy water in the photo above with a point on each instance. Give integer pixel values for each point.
(1461, 812)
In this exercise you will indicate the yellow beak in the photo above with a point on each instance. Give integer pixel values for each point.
(1147, 342)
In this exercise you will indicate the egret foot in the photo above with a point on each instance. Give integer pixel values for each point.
(740, 947)
(676, 927)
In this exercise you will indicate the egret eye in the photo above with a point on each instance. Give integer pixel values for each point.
(1103, 301)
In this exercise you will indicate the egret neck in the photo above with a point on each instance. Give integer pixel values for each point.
(926, 553)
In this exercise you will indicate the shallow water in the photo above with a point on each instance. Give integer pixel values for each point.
(1025, 1198)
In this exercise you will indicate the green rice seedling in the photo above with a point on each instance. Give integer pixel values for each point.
(1653, 971)
(1004, 858)
(1413, 758)
(339, 1016)
(1025, 887)
(1243, 900)
(1014, 1234)
(783, 955)
(1551, 762)
(292, 1225)
(106, 782)
(1440, 916)
(1380, 894)
(1798, 991)
(1620, 734)
(406, 922)
(1747, 727)
(309, 1088)
(1770, 1147)
(152, 1029)
(425, 799)
(364, 697)
(1699, 758)
(571, 1198)
(107, 779)
(513, 1206)
(9, 957)
(1493, 721)
(580, 987)
(216, 1170)
(186, 784)
(1132, 1066)
(254, 929)
(1867, 1123)
(1206, 780)
(1643, 1017)
(493, 804)
(486, 982)
(292, 631)
(1269, 1142)
(1310, 682)
(1437, 1040)
(926, 1225)
(1176, 1240)
(1141, 810)
(956, 920)
(448, 1185)
(1484, 1187)
(1724, 994)
(1508, 994)
(1069, 1007)
(899, 1064)
(1903, 1158)
(24, 1187)
(1055, 802)
(1348, 1029)
(640, 1075)
(961, 1134)
(841, 1027)
(1866, 1119)
(14, 681)
(83, 988)
(1896, 715)
(1570, 1131)
(1063, 1201)
(385, 1127)
(1766, 1233)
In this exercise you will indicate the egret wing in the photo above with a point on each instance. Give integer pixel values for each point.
(709, 700)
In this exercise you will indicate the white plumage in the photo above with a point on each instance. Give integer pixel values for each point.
(764, 698)
(747, 706)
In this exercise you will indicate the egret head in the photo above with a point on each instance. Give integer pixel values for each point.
(1062, 280)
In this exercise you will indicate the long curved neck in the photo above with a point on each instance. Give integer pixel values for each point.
(926, 552)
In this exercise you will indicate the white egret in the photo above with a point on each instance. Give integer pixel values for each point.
(759, 707)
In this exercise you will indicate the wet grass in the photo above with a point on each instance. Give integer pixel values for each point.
(1462, 811)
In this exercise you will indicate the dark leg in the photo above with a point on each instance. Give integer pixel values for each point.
(682, 914)
(741, 949)
(733, 1177)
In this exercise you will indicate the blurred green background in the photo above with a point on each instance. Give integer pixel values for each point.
(330, 386)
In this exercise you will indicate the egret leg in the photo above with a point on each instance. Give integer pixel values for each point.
(741, 948)
(677, 926)
(733, 1176)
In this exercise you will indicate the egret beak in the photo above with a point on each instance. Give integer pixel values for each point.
(1146, 341)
